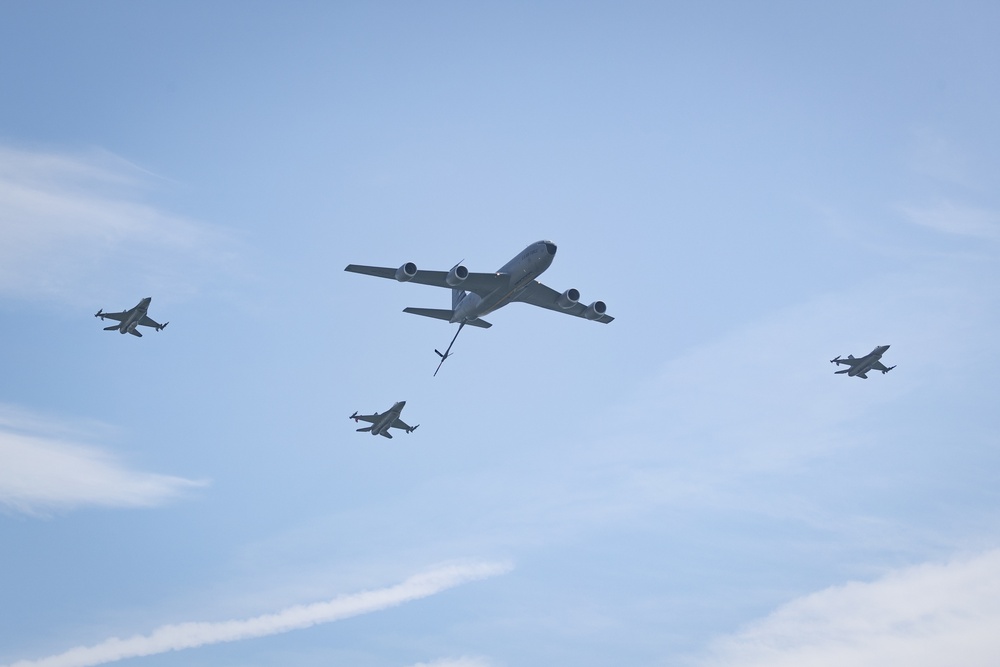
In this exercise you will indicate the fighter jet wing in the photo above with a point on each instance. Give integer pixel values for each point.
(399, 423)
(113, 316)
(371, 419)
(539, 295)
(480, 283)
(147, 321)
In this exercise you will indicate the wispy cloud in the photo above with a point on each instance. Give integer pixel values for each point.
(194, 634)
(952, 218)
(464, 661)
(922, 616)
(44, 469)
(70, 222)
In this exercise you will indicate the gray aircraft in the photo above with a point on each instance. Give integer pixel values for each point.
(869, 362)
(129, 319)
(474, 295)
(381, 423)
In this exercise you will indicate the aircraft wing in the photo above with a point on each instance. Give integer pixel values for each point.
(371, 419)
(114, 316)
(399, 423)
(480, 283)
(147, 321)
(539, 295)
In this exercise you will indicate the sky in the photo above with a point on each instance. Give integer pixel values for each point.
(752, 188)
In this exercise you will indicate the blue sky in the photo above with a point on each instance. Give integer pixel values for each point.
(753, 190)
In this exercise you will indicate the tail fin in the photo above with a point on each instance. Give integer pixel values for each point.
(436, 313)
(445, 315)
(456, 297)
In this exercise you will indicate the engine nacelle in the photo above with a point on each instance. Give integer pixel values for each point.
(596, 310)
(456, 276)
(568, 299)
(406, 272)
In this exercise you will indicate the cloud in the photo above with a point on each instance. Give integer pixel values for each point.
(70, 222)
(952, 218)
(922, 616)
(194, 634)
(45, 471)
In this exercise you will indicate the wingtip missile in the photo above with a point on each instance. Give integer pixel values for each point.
(99, 313)
(835, 360)
(354, 416)
(413, 428)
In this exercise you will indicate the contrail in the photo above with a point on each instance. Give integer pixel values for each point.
(193, 634)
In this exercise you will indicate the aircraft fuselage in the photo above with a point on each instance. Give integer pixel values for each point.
(521, 271)
(388, 418)
(867, 361)
(135, 316)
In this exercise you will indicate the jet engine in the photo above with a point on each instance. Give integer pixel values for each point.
(596, 310)
(456, 276)
(406, 272)
(568, 298)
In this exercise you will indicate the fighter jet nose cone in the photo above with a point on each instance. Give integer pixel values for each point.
(551, 247)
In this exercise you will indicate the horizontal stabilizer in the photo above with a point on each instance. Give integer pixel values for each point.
(386, 434)
(112, 327)
(135, 333)
(846, 370)
(436, 313)
(441, 314)
(365, 429)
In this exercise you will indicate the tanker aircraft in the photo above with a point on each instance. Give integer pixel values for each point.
(129, 319)
(381, 423)
(869, 362)
(474, 295)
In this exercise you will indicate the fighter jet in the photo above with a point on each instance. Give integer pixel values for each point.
(129, 319)
(474, 295)
(381, 423)
(869, 362)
